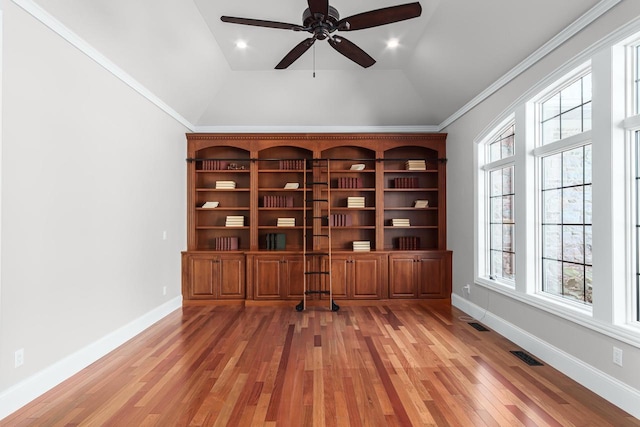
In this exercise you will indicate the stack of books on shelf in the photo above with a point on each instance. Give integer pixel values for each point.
(210, 205)
(225, 185)
(213, 165)
(340, 220)
(349, 182)
(292, 164)
(357, 167)
(415, 165)
(286, 222)
(225, 244)
(361, 246)
(400, 222)
(411, 182)
(355, 202)
(234, 221)
(277, 201)
(291, 185)
(409, 243)
(276, 241)
(421, 204)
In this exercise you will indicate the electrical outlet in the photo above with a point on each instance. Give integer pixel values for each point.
(19, 358)
(467, 288)
(617, 356)
(164, 235)
(164, 290)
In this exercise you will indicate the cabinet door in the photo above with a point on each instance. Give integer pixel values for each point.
(366, 275)
(433, 276)
(200, 282)
(293, 274)
(402, 276)
(340, 276)
(267, 274)
(230, 277)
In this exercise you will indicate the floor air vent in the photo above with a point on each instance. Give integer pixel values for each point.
(478, 326)
(526, 358)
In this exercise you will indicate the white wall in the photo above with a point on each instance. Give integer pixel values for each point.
(580, 352)
(92, 174)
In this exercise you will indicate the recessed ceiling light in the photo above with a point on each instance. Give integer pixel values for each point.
(241, 44)
(393, 43)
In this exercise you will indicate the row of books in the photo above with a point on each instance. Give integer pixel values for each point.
(349, 182)
(234, 221)
(224, 243)
(400, 222)
(277, 201)
(408, 243)
(411, 182)
(291, 164)
(286, 222)
(276, 241)
(340, 220)
(355, 202)
(214, 165)
(415, 165)
(225, 184)
(361, 246)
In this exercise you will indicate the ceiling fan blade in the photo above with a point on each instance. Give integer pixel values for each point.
(351, 51)
(319, 6)
(261, 23)
(375, 18)
(295, 53)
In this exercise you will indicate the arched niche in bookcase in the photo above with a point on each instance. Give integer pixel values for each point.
(283, 172)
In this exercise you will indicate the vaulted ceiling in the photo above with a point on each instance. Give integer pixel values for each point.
(181, 52)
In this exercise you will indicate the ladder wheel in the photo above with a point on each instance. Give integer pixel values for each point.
(300, 306)
(334, 306)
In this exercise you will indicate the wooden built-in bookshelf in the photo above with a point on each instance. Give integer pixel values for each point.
(403, 262)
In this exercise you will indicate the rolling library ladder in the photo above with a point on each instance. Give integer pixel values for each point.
(317, 279)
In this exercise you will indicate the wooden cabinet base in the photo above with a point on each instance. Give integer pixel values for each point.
(279, 277)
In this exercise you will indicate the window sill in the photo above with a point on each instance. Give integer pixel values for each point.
(629, 334)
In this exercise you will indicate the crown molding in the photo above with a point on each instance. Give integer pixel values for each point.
(578, 25)
(316, 129)
(63, 31)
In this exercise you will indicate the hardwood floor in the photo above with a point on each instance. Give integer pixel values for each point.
(388, 364)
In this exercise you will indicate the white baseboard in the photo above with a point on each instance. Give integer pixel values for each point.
(604, 385)
(24, 392)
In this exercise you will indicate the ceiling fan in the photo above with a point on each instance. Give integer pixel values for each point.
(321, 20)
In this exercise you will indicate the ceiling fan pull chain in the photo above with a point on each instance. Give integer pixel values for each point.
(314, 61)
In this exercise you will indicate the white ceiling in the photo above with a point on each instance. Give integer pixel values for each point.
(184, 54)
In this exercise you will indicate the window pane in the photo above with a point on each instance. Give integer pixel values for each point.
(507, 146)
(587, 164)
(551, 130)
(496, 183)
(572, 205)
(573, 281)
(552, 206)
(496, 210)
(552, 171)
(551, 108)
(507, 180)
(588, 238)
(587, 205)
(571, 97)
(573, 243)
(552, 241)
(494, 151)
(586, 117)
(508, 265)
(571, 123)
(496, 237)
(552, 277)
(572, 167)
(496, 264)
(586, 88)
(588, 279)
(507, 238)
(507, 209)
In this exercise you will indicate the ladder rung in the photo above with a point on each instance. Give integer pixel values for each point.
(320, 235)
(316, 272)
(317, 183)
(317, 254)
(318, 200)
(321, 217)
(317, 292)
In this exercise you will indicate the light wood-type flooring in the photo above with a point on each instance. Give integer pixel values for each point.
(384, 364)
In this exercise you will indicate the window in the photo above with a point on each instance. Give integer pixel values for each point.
(636, 190)
(566, 224)
(567, 112)
(500, 203)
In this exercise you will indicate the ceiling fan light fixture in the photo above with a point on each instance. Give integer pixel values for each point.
(393, 43)
(241, 44)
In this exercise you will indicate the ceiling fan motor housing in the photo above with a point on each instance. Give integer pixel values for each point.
(320, 25)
